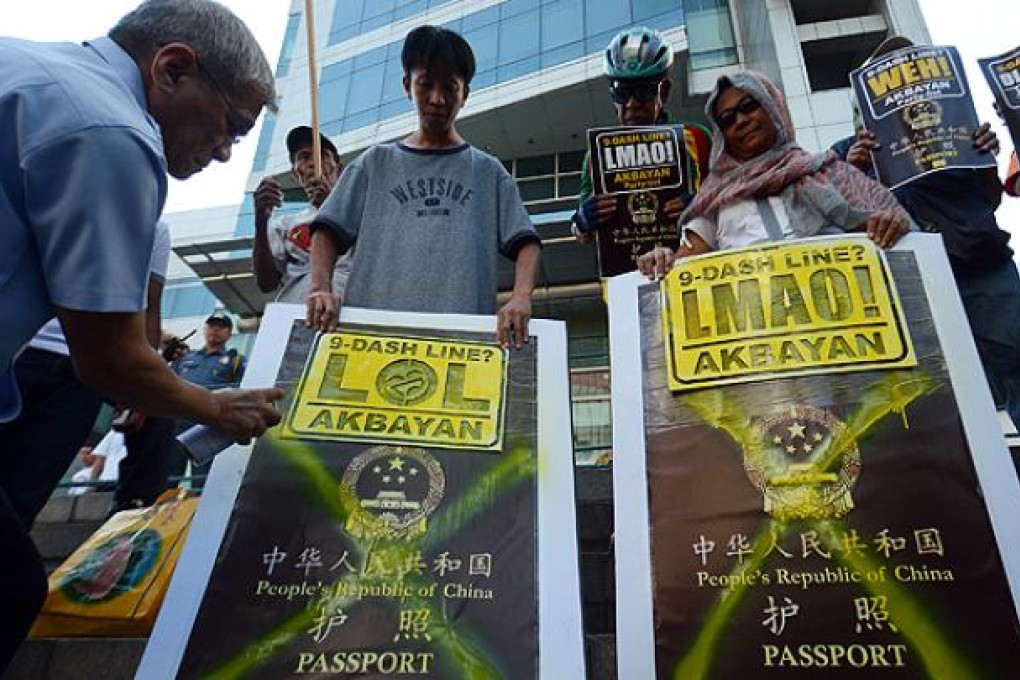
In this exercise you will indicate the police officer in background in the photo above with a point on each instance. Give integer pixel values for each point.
(213, 367)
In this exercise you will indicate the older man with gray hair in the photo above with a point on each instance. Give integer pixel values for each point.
(89, 133)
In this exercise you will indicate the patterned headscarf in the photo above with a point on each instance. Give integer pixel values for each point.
(819, 191)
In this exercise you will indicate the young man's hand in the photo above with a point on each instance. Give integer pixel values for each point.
(317, 190)
(657, 262)
(985, 139)
(859, 154)
(886, 227)
(323, 311)
(268, 197)
(512, 319)
(673, 209)
(247, 413)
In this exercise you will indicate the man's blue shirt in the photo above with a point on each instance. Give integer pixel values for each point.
(82, 184)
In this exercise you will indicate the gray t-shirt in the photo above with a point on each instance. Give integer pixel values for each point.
(428, 225)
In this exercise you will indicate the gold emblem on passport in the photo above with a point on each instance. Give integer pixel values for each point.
(805, 462)
(388, 492)
(923, 114)
(821, 305)
(643, 207)
(361, 386)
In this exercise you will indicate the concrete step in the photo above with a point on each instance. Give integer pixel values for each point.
(52, 659)
(66, 522)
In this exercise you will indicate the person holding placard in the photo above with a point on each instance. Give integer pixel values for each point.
(637, 63)
(764, 187)
(960, 204)
(429, 214)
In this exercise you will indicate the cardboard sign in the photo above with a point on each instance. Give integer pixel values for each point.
(336, 548)
(644, 168)
(822, 524)
(381, 388)
(918, 103)
(1003, 76)
(824, 305)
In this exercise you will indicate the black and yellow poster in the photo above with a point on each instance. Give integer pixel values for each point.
(389, 526)
(1003, 76)
(918, 103)
(644, 168)
(826, 523)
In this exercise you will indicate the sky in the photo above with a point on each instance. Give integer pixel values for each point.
(978, 28)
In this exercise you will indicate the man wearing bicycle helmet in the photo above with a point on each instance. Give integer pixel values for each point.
(637, 63)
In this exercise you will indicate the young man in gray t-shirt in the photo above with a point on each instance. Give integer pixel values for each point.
(429, 214)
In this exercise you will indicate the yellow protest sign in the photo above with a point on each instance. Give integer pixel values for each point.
(820, 305)
(393, 389)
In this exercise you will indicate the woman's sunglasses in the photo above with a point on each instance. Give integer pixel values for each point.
(643, 92)
(746, 106)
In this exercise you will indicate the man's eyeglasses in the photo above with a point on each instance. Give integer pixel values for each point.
(726, 119)
(239, 123)
(643, 92)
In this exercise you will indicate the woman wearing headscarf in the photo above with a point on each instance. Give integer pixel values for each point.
(763, 187)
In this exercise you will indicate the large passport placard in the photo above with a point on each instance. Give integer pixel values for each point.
(391, 523)
(852, 517)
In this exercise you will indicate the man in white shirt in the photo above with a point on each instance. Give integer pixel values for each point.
(282, 252)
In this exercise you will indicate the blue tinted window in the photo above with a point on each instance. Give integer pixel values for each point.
(370, 58)
(191, 300)
(246, 217)
(395, 108)
(562, 54)
(561, 23)
(518, 37)
(646, 9)
(359, 120)
(605, 16)
(393, 82)
(517, 69)
(408, 8)
(377, 13)
(366, 89)
(333, 99)
(483, 43)
(287, 49)
(598, 41)
(513, 7)
(483, 79)
(486, 16)
(265, 141)
(332, 128)
(346, 16)
(664, 21)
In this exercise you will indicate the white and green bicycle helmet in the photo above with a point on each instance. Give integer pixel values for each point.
(637, 53)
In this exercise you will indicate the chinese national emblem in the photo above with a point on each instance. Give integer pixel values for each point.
(643, 207)
(805, 462)
(388, 492)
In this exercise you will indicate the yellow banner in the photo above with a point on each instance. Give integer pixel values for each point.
(813, 306)
(398, 389)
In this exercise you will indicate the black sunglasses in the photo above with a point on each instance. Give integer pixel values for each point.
(728, 118)
(643, 92)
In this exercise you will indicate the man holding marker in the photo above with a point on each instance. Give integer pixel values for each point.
(89, 133)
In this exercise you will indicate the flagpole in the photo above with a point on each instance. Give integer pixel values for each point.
(313, 86)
